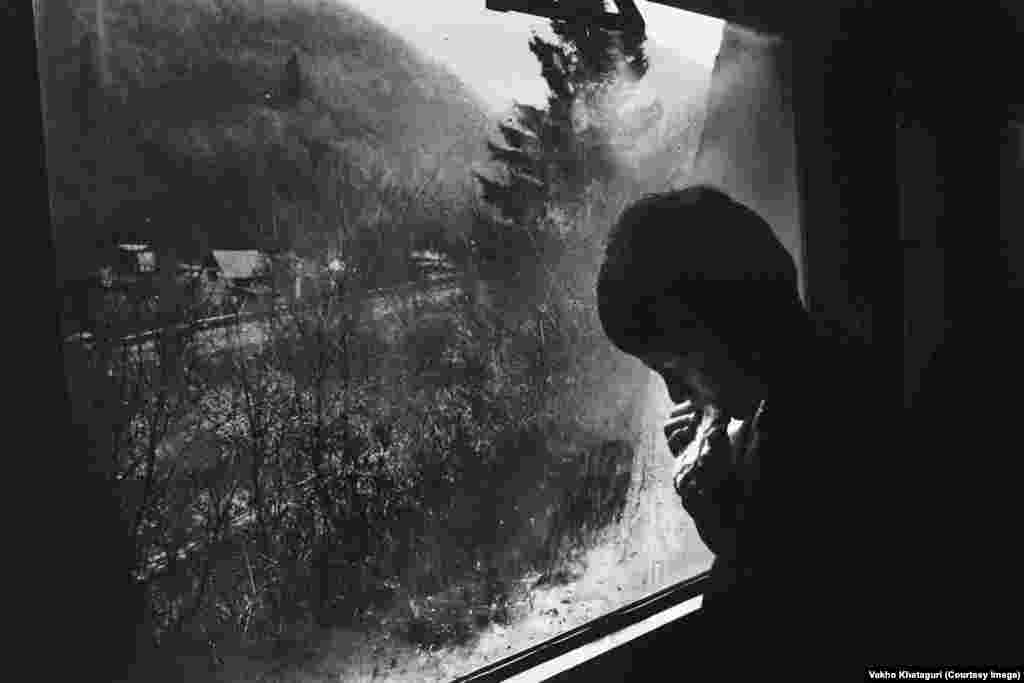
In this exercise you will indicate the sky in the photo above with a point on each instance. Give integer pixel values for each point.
(488, 50)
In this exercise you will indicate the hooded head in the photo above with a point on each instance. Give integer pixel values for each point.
(693, 279)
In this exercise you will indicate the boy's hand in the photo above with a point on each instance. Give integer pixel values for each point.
(700, 441)
(681, 426)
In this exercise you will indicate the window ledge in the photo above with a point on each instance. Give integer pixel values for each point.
(617, 628)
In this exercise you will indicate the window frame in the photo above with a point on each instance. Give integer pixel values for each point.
(676, 604)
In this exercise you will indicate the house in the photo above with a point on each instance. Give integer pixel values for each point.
(239, 277)
(135, 264)
(241, 267)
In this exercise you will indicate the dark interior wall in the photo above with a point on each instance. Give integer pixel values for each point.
(747, 146)
(848, 157)
(924, 290)
(1012, 203)
(958, 200)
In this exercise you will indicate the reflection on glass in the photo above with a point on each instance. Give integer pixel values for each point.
(327, 273)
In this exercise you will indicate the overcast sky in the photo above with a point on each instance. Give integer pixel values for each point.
(488, 50)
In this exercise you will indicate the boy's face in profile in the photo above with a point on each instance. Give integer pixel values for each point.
(697, 367)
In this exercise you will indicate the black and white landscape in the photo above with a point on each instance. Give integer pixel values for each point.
(329, 324)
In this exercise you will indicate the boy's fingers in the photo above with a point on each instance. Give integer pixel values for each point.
(678, 440)
(684, 408)
(682, 421)
(681, 427)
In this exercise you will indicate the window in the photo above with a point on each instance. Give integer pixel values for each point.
(414, 466)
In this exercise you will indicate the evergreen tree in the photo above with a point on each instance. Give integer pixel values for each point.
(554, 154)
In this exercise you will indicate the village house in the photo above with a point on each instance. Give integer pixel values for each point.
(237, 279)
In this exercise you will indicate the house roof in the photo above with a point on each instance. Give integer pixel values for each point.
(239, 264)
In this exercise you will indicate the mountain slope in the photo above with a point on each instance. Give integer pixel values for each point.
(187, 119)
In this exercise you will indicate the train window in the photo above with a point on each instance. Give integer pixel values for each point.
(383, 435)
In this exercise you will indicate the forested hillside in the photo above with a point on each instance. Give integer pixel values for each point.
(218, 121)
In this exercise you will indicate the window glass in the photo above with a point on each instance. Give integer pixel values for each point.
(365, 422)
(748, 146)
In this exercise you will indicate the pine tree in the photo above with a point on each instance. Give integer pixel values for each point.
(552, 155)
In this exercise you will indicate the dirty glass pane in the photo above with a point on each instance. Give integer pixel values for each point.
(327, 274)
(748, 146)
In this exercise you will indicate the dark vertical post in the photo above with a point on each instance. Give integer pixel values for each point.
(79, 551)
(845, 130)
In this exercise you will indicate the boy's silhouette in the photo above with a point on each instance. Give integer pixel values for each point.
(699, 288)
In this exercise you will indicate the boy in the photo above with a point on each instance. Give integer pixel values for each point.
(698, 287)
